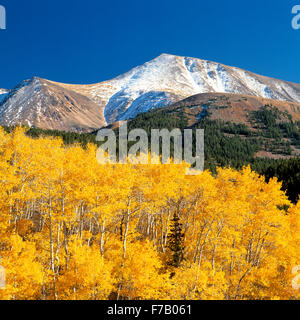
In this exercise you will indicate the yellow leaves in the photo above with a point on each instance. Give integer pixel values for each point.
(71, 228)
(23, 273)
(139, 276)
(88, 276)
(195, 283)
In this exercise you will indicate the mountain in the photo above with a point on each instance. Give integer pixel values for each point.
(160, 82)
(266, 119)
(168, 78)
(40, 103)
(239, 129)
(231, 107)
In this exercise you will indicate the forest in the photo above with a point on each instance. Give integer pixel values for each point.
(227, 144)
(72, 229)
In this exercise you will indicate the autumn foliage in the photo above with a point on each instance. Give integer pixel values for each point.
(71, 228)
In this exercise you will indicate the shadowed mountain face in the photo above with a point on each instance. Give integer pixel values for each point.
(158, 83)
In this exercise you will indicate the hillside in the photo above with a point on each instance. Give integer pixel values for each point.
(266, 128)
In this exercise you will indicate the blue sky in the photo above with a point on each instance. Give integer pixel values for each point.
(93, 40)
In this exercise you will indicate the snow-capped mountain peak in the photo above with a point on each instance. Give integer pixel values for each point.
(168, 78)
(159, 82)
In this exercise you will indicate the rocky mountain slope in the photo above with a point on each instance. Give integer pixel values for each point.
(234, 108)
(40, 103)
(160, 82)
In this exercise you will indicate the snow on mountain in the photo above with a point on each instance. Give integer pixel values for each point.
(168, 78)
(37, 102)
(155, 84)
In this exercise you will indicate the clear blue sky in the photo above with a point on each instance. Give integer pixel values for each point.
(94, 40)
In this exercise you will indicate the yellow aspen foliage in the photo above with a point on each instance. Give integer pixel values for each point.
(140, 275)
(71, 228)
(24, 275)
(87, 276)
(195, 283)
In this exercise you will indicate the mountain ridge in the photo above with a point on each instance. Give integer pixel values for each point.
(159, 82)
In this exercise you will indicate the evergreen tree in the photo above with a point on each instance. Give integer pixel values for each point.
(175, 241)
